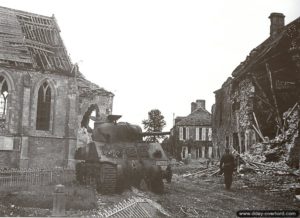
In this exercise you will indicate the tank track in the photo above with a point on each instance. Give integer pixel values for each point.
(107, 183)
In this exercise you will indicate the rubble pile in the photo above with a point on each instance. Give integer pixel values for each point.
(267, 183)
(255, 153)
(276, 156)
(291, 134)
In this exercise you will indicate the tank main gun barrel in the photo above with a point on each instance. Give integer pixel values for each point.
(154, 133)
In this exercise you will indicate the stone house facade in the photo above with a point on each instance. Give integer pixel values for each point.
(193, 133)
(260, 90)
(44, 99)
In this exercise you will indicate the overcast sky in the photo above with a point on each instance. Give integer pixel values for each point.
(160, 54)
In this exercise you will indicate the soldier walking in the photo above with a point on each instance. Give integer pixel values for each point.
(227, 166)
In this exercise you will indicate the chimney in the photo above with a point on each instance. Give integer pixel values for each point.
(277, 23)
(198, 104)
(193, 106)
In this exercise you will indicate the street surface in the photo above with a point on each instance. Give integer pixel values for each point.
(205, 196)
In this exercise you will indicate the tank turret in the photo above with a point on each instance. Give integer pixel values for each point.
(116, 132)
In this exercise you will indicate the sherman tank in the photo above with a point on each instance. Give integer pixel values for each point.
(118, 158)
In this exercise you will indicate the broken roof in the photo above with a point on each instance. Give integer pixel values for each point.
(199, 117)
(29, 40)
(259, 53)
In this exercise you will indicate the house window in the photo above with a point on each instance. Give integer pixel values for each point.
(183, 133)
(187, 135)
(3, 97)
(43, 107)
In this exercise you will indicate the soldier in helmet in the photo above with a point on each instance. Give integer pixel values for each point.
(227, 166)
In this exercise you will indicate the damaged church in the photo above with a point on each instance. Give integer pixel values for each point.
(45, 102)
(249, 106)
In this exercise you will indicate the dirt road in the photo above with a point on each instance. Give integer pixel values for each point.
(207, 197)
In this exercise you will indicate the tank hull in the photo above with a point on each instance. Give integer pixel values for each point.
(114, 161)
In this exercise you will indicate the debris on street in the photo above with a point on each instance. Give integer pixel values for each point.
(276, 156)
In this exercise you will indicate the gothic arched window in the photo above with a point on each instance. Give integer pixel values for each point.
(43, 107)
(3, 97)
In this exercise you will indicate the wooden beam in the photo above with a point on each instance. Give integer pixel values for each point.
(39, 35)
(55, 62)
(31, 36)
(289, 114)
(45, 56)
(60, 64)
(260, 135)
(39, 44)
(272, 108)
(46, 35)
(40, 57)
(51, 37)
(50, 27)
(39, 48)
(257, 125)
(256, 83)
(274, 97)
(42, 35)
(51, 61)
(26, 32)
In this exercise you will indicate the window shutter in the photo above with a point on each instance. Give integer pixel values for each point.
(203, 134)
(187, 133)
(180, 133)
(197, 134)
(209, 134)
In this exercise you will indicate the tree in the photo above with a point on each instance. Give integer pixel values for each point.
(154, 123)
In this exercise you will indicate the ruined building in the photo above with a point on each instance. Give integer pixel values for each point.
(192, 134)
(45, 102)
(261, 89)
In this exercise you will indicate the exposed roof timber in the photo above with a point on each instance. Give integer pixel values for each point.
(40, 48)
(47, 26)
(32, 37)
(26, 14)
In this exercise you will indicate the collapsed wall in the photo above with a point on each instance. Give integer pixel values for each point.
(282, 151)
